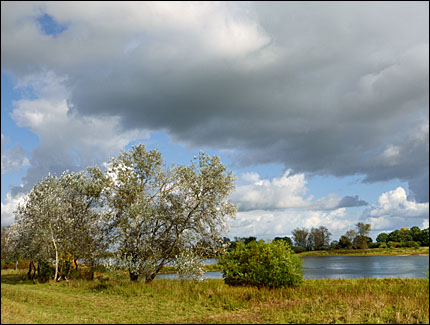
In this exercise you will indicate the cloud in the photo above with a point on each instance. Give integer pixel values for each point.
(269, 224)
(12, 159)
(329, 89)
(67, 141)
(8, 208)
(394, 211)
(285, 192)
(255, 193)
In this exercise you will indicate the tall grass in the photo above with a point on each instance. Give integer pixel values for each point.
(112, 298)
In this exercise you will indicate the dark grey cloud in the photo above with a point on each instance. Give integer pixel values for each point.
(351, 201)
(326, 88)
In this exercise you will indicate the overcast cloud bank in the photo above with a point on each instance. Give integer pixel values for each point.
(323, 88)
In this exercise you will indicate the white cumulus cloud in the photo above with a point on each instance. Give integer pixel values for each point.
(393, 211)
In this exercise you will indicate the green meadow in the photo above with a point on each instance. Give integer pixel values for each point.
(112, 298)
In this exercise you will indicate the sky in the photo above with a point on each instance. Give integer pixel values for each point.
(320, 109)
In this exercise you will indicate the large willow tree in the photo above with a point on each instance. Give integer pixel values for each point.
(157, 211)
(60, 217)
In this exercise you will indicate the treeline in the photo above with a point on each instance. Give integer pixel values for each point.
(320, 239)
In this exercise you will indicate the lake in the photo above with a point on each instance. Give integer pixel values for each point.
(349, 267)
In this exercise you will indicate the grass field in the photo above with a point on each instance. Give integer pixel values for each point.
(112, 299)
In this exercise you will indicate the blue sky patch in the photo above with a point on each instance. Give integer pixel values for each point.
(49, 26)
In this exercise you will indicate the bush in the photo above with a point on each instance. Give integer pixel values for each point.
(382, 245)
(260, 264)
(46, 271)
(412, 243)
(392, 244)
(374, 245)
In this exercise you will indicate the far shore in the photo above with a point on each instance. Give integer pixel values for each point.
(402, 251)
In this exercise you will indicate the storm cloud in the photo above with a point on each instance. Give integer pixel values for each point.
(323, 88)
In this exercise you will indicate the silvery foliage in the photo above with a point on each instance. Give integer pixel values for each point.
(40, 222)
(189, 265)
(157, 211)
(57, 218)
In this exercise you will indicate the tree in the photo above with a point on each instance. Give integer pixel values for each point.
(415, 233)
(60, 217)
(382, 237)
(40, 227)
(394, 236)
(319, 237)
(300, 237)
(346, 240)
(362, 240)
(363, 229)
(89, 235)
(247, 240)
(424, 237)
(4, 248)
(286, 239)
(157, 212)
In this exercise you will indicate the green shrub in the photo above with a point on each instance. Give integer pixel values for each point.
(46, 271)
(259, 264)
(382, 245)
(391, 244)
(374, 245)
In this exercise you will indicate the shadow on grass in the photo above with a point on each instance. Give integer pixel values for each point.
(15, 278)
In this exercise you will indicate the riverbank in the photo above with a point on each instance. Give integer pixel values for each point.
(116, 300)
(406, 251)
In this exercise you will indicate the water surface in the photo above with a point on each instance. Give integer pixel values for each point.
(350, 267)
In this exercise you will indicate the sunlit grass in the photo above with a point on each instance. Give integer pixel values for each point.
(114, 299)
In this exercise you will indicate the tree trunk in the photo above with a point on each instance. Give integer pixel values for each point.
(56, 253)
(30, 267)
(56, 263)
(133, 276)
(92, 271)
(150, 278)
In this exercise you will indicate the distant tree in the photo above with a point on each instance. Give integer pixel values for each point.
(363, 229)
(334, 244)
(347, 239)
(362, 240)
(402, 235)
(247, 240)
(319, 237)
(286, 239)
(395, 236)
(344, 242)
(300, 237)
(382, 237)
(405, 235)
(415, 233)
(424, 237)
